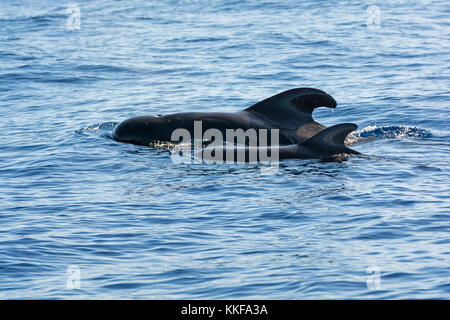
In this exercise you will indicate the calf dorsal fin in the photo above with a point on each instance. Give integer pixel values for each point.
(331, 140)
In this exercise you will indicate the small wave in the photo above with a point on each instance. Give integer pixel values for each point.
(99, 129)
(102, 68)
(205, 39)
(98, 126)
(37, 19)
(387, 132)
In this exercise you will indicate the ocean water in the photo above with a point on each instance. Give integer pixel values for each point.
(85, 217)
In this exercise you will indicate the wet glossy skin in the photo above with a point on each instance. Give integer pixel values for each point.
(143, 130)
(289, 112)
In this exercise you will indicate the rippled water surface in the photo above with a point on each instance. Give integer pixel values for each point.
(136, 225)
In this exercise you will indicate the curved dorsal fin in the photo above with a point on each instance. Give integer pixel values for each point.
(293, 108)
(331, 140)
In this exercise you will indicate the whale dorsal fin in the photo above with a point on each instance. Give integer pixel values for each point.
(293, 108)
(331, 140)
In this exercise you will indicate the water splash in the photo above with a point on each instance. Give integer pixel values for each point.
(107, 126)
(98, 130)
(387, 132)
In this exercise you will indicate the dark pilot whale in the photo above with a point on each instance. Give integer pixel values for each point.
(325, 144)
(290, 112)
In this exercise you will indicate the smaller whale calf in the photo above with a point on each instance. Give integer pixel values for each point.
(325, 144)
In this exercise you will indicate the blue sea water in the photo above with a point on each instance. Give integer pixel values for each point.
(85, 217)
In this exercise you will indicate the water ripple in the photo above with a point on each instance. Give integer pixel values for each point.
(136, 225)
